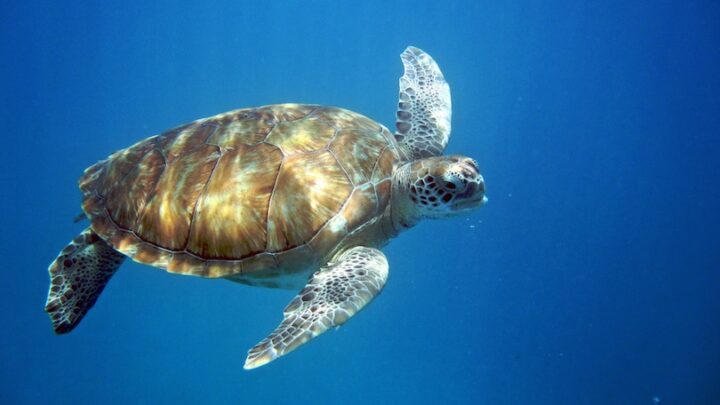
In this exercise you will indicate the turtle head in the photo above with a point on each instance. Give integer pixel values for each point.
(437, 187)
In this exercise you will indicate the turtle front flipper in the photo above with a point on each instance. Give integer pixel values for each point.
(424, 108)
(77, 277)
(332, 295)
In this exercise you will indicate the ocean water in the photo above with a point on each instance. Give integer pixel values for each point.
(592, 275)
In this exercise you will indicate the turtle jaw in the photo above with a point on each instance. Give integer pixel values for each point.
(469, 204)
(472, 197)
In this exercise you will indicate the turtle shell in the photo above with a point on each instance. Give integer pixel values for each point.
(253, 192)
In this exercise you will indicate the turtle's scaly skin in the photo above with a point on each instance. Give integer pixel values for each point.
(256, 194)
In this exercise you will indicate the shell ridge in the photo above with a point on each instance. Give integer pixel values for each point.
(377, 161)
(151, 195)
(377, 198)
(327, 223)
(270, 200)
(162, 248)
(135, 234)
(337, 161)
(202, 196)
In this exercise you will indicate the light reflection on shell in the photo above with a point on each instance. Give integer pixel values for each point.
(253, 191)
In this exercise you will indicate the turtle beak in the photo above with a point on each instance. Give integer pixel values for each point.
(473, 196)
(474, 188)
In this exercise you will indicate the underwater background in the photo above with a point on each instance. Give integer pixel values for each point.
(592, 276)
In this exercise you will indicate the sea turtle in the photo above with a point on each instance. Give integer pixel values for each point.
(284, 196)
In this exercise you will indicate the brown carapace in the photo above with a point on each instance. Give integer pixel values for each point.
(263, 190)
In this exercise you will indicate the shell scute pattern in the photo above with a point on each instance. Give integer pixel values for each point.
(242, 192)
(310, 190)
(165, 221)
(353, 148)
(291, 138)
(233, 225)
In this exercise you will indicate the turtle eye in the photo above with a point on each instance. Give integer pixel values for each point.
(450, 183)
(473, 163)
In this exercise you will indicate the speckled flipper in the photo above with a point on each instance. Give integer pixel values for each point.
(77, 277)
(424, 107)
(333, 295)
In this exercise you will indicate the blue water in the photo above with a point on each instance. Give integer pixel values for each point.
(590, 277)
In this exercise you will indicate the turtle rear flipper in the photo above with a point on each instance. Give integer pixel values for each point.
(77, 277)
(332, 295)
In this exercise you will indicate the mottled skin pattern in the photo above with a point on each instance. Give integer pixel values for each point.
(77, 277)
(436, 187)
(424, 106)
(262, 196)
(335, 286)
(279, 196)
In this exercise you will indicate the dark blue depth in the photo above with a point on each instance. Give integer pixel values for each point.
(592, 275)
